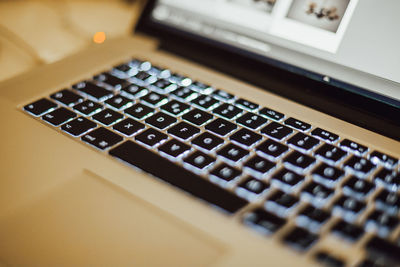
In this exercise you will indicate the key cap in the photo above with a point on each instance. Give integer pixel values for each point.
(351, 146)
(300, 239)
(227, 111)
(134, 91)
(327, 175)
(388, 178)
(161, 120)
(347, 231)
(174, 148)
(88, 107)
(185, 93)
(183, 130)
(221, 127)
(276, 130)
(119, 102)
(349, 207)
(78, 126)
(259, 165)
(281, 203)
(180, 79)
(154, 99)
(125, 68)
(330, 153)
(298, 124)
(177, 176)
(151, 137)
(317, 194)
(245, 137)
(93, 90)
(139, 111)
(175, 107)
(66, 97)
(303, 141)
(286, 179)
(111, 80)
(243, 103)
(107, 116)
(205, 101)
(164, 85)
(251, 120)
(233, 152)
(312, 218)
(263, 221)
(142, 75)
(225, 96)
(299, 160)
(382, 223)
(128, 127)
(200, 87)
(359, 165)
(251, 187)
(325, 135)
(225, 172)
(357, 187)
(40, 107)
(272, 149)
(328, 260)
(101, 138)
(59, 116)
(207, 141)
(383, 159)
(199, 160)
(272, 114)
(197, 117)
(388, 201)
(384, 250)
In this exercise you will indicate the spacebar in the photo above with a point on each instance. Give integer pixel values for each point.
(168, 171)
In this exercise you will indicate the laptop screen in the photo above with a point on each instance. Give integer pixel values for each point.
(352, 44)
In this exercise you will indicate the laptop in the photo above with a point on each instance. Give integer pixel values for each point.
(221, 133)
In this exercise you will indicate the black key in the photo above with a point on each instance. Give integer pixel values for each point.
(388, 178)
(325, 135)
(225, 172)
(154, 99)
(351, 207)
(251, 120)
(299, 160)
(383, 159)
(151, 137)
(175, 107)
(246, 104)
(221, 126)
(227, 111)
(223, 95)
(298, 124)
(133, 91)
(272, 114)
(272, 149)
(110, 80)
(281, 203)
(183, 130)
(101, 138)
(139, 111)
(359, 165)
(246, 137)
(328, 175)
(263, 221)
(59, 116)
(252, 186)
(199, 159)
(317, 193)
(177, 176)
(357, 187)
(200, 87)
(276, 130)
(233, 152)
(303, 141)
(180, 79)
(88, 107)
(123, 68)
(259, 164)
(118, 101)
(388, 201)
(207, 141)
(350, 232)
(107, 116)
(66, 97)
(312, 218)
(93, 90)
(185, 93)
(197, 116)
(128, 126)
(174, 148)
(142, 75)
(381, 222)
(40, 107)
(353, 146)
(384, 251)
(205, 101)
(286, 179)
(164, 85)
(328, 260)
(78, 126)
(160, 120)
(300, 239)
(330, 152)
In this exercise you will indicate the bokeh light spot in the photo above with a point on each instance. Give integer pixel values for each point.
(99, 37)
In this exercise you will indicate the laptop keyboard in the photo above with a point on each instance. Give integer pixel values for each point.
(278, 173)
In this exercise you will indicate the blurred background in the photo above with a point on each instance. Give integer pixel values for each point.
(35, 32)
